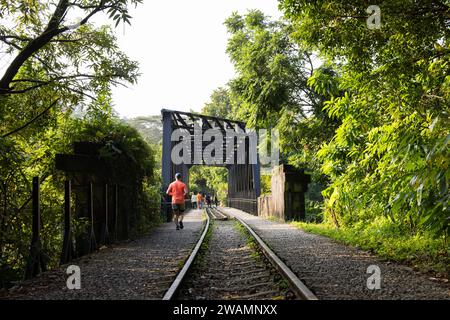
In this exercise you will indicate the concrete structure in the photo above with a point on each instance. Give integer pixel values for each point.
(287, 200)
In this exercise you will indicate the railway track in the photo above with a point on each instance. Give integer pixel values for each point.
(231, 262)
(216, 214)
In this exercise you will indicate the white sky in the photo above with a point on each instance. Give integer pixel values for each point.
(180, 46)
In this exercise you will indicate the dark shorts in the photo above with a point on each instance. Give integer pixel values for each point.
(178, 207)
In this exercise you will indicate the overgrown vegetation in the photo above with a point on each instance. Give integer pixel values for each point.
(420, 250)
(366, 111)
(212, 180)
(200, 257)
(56, 89)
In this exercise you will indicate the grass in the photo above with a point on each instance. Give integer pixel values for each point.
(249, 240)
(204, 247)
(274, 219)
(420, 251)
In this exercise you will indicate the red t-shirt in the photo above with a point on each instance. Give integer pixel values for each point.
(177, 190)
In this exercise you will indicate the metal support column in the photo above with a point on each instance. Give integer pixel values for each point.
(167, 170)
(35, 263)
(92, 240)
(67, 250)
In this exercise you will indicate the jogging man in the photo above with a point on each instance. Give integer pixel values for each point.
(178, 191)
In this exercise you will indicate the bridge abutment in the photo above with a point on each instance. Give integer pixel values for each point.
(287, 200)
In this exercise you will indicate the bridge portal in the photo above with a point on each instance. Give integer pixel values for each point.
(193, 139)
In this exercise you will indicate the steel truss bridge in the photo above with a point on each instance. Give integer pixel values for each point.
(238, 153)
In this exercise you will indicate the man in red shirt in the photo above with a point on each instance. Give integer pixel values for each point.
(178, 191)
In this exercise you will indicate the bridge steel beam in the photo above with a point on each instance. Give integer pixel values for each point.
(167, 170)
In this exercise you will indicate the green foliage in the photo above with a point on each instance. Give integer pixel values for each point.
(390, 156)
(149, 127)
(220, 104)
(129, 154)
(130, 157)
(274, 88)
(266, 187)
(125, 150)
(211, 180)
(279, 85)
(367, 111)
(56, 90)
(314, 202)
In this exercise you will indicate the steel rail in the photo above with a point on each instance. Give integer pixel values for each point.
(297, 285)
(171, 292)
(299, 288)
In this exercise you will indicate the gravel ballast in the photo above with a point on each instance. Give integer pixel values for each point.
(336, 271)
(141, 269)
(231, 269)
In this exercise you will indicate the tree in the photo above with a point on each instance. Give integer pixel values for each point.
(220, 104)
(41, 30)
(58, 61)
(389, 158)
(58, 68)
(273, 89)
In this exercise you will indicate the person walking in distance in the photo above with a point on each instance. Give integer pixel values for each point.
(178, 191)
(199, 201)
(208, 200)
(194, 201)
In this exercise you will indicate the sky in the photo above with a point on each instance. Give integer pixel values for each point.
(180, 46)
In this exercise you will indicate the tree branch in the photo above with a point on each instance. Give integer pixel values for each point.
(7, 37)
(31, 121)
(51, 31)
(28, 89)
(42, 180)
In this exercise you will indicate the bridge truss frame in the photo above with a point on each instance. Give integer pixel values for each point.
(244, 185)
